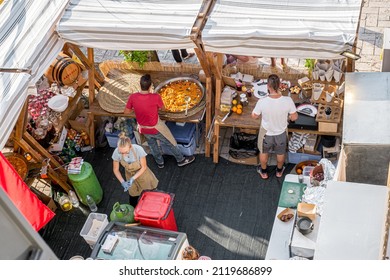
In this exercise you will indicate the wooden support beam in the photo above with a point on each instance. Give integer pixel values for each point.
(98, 78)
(201, 55)
(216, 143)
(209, 113)
(218, 80)
(91, 76)
(59, 178)
(21, 124)
(37, 147)
(201, 19)
(215, 60)
(66, 50)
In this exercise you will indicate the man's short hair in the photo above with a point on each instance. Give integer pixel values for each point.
(145, 82)
(273, 82)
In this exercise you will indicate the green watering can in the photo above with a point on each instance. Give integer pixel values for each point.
(123, 213)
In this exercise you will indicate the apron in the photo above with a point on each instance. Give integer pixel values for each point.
(163, 129)
(147, 181)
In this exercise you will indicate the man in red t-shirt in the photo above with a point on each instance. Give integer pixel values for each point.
(146, 106)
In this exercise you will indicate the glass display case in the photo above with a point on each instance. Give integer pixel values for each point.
(139, 243)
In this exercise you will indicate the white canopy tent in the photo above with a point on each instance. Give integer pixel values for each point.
(130, 25)
(28, 43)
(28, 39)
(285, 28)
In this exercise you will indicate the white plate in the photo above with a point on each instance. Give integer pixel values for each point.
(307, 109)
(260, 88)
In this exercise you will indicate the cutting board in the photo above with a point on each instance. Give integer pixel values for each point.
(291, 199)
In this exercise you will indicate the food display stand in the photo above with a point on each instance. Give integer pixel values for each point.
(245, 120)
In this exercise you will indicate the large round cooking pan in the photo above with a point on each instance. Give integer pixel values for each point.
(179, 89)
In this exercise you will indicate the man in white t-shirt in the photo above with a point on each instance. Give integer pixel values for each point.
(275, 110)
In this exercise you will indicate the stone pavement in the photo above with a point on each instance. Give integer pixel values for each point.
(375, 17)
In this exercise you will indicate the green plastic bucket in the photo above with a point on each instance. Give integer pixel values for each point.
(86, 183)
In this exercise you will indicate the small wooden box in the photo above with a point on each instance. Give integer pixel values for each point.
(327, 127)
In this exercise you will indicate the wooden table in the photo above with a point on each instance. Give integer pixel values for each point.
(246, 121)
(95, 110)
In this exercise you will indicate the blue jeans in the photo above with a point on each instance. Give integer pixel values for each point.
(155, 149)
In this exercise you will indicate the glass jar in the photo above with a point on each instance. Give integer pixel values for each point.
(39, 133)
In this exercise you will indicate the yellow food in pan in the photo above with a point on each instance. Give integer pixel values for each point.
(174, 94)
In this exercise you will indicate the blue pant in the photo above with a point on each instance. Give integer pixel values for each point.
(155, 149)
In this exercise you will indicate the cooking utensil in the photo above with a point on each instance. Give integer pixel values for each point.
(227, 115)
(187, 99)
(305, 225)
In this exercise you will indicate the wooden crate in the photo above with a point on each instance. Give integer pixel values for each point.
(327, 127)
(335, 116)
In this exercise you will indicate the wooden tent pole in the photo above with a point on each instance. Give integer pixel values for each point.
(196, 33)
(38, 148)
(350, 67)
(21, 125)
(91, 76)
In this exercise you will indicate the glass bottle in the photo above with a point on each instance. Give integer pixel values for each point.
(91, 203)
(73, 198)
(64, 201)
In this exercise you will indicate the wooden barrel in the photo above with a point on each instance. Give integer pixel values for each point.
(63, 70)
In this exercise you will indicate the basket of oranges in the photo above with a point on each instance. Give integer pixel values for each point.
(236, 107)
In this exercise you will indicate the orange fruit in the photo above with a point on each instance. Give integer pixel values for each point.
(239, 111)
(299, 171)
(234, 102)
(234, 109)
(239, 106)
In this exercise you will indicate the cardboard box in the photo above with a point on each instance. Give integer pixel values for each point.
(81, 123)
(47, 200)
(327, 127)
(307, 210)
(311, 143)
(57, 147)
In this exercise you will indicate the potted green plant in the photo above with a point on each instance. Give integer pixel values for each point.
(309, 64)
(136, 56)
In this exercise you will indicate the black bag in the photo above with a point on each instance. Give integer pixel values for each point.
(243, 145)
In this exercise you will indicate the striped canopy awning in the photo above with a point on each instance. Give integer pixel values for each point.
(28, 41)
(283, 28)
(130, 25)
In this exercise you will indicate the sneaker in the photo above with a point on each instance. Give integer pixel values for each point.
(160, 165)
(263, 175)
(186, 160)
(188, 56)
(280, 173)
